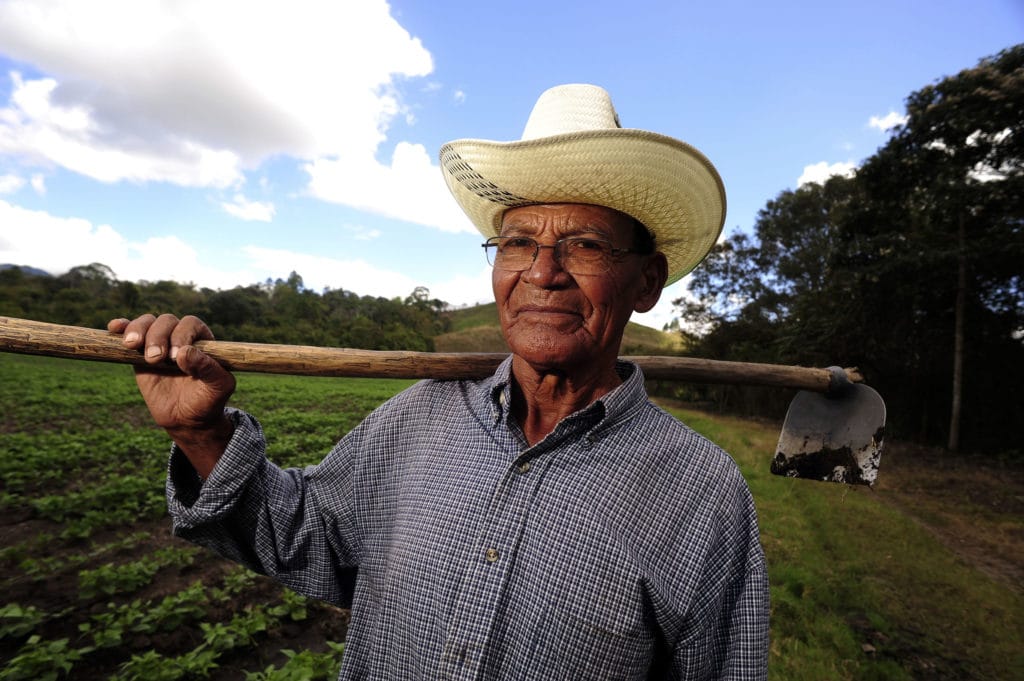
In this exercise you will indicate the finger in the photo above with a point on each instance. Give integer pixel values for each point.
(117, 325)
(197, 364)
(158, 338)
(188, 330)
(135, 331)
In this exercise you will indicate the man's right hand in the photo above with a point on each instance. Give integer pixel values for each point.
(188, 404)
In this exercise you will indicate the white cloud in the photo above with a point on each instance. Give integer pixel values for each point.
(38, 184)
(459, 96)
(820, 172)
(319, 272)
(196, 93)
(888, 121)
(10, 183)
(410, 188)
(56, 244)
(38, 127)
(243, 209)
(368, 235)
(463, 290)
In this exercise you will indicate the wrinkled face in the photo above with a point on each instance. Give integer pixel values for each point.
(559, 321)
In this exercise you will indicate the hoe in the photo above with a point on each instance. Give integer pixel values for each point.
(833, 429)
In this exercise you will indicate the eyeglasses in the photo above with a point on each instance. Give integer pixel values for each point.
(575, 254)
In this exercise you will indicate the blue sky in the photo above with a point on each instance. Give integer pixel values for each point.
(224, 143)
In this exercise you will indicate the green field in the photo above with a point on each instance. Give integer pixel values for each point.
(865, 583)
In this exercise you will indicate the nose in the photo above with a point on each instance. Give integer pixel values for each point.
(546, 270)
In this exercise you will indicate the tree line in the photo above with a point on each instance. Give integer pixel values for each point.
(279, 311)
(910, 269)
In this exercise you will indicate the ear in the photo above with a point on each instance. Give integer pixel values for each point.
(652, 277)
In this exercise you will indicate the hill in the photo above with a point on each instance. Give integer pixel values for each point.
(30, 271)
(476, 329)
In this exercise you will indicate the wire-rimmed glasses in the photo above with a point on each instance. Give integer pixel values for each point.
(574, 254)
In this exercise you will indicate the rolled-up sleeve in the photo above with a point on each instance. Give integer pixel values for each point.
(265, 517)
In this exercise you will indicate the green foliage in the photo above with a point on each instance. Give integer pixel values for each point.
(304, 666)
(40, 660)
(17, 621)
(110, 579)
(848, 570)
(92, 489)
(879, 270)
(281, 311)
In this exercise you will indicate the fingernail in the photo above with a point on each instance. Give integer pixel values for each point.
(132, 337)
(174, 352)
(153, 351)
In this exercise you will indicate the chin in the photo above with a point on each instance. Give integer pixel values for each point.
(552, 351)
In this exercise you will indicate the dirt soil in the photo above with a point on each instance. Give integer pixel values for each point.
(973, 505)
(58, 592)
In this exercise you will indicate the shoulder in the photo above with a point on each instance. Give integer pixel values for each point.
(669, 444)
(424, 407)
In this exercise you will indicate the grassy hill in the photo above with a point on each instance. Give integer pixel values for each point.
(476, 329)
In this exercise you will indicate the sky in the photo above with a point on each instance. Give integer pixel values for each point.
(227, 143)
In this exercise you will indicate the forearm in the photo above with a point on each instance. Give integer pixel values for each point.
(255, 513)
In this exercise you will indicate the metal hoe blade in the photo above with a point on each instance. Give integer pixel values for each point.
(835, 436)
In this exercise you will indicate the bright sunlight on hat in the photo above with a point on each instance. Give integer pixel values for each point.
(574, 150)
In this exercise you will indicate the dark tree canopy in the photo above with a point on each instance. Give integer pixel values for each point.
(280, 311)
(911, 269)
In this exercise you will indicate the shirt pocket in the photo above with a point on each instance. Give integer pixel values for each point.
(572, 646)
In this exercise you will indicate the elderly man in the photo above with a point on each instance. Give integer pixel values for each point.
(548, 522)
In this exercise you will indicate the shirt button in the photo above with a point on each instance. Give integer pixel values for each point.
(523, 468)
(491, 555)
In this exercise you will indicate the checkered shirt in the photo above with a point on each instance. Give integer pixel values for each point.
(622, 546)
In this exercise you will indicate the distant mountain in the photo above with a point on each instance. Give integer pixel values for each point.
(31, 271)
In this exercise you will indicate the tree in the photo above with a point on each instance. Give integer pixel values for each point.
(910, 270)
(960, 162)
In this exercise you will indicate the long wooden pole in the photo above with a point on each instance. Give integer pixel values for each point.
(56, 340)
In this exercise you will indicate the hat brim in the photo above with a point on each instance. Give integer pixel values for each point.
(664, 183)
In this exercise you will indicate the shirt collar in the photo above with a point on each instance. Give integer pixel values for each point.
(608, 410)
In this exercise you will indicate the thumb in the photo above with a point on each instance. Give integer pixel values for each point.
(199, 365)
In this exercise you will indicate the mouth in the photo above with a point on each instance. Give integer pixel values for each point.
(547, 310)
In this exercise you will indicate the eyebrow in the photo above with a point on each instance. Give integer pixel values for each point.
(526, 230)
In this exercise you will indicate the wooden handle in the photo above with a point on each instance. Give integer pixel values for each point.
(56, 340)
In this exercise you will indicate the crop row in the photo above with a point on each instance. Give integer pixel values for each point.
(50, 659)
(91, 585)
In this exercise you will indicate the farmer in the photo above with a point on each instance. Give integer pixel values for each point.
(547, 522)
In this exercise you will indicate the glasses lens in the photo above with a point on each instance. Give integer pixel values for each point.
(511, 253)
(585, 256)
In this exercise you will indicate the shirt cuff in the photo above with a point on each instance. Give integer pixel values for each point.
(192, 501)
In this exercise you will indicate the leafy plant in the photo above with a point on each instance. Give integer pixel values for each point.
(17, 621)
(40, 660)
(304, 666)
(110, 579)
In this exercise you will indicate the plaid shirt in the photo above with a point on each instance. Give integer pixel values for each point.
(622, 546)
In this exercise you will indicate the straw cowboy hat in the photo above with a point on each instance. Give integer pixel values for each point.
(574, 150)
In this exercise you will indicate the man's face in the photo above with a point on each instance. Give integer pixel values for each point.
(556, 320)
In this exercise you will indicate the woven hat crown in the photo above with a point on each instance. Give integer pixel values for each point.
(571, 108)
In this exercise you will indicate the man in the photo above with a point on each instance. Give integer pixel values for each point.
(547, 522)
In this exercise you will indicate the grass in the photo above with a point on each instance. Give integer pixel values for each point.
(864, 582)
(862, 590)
